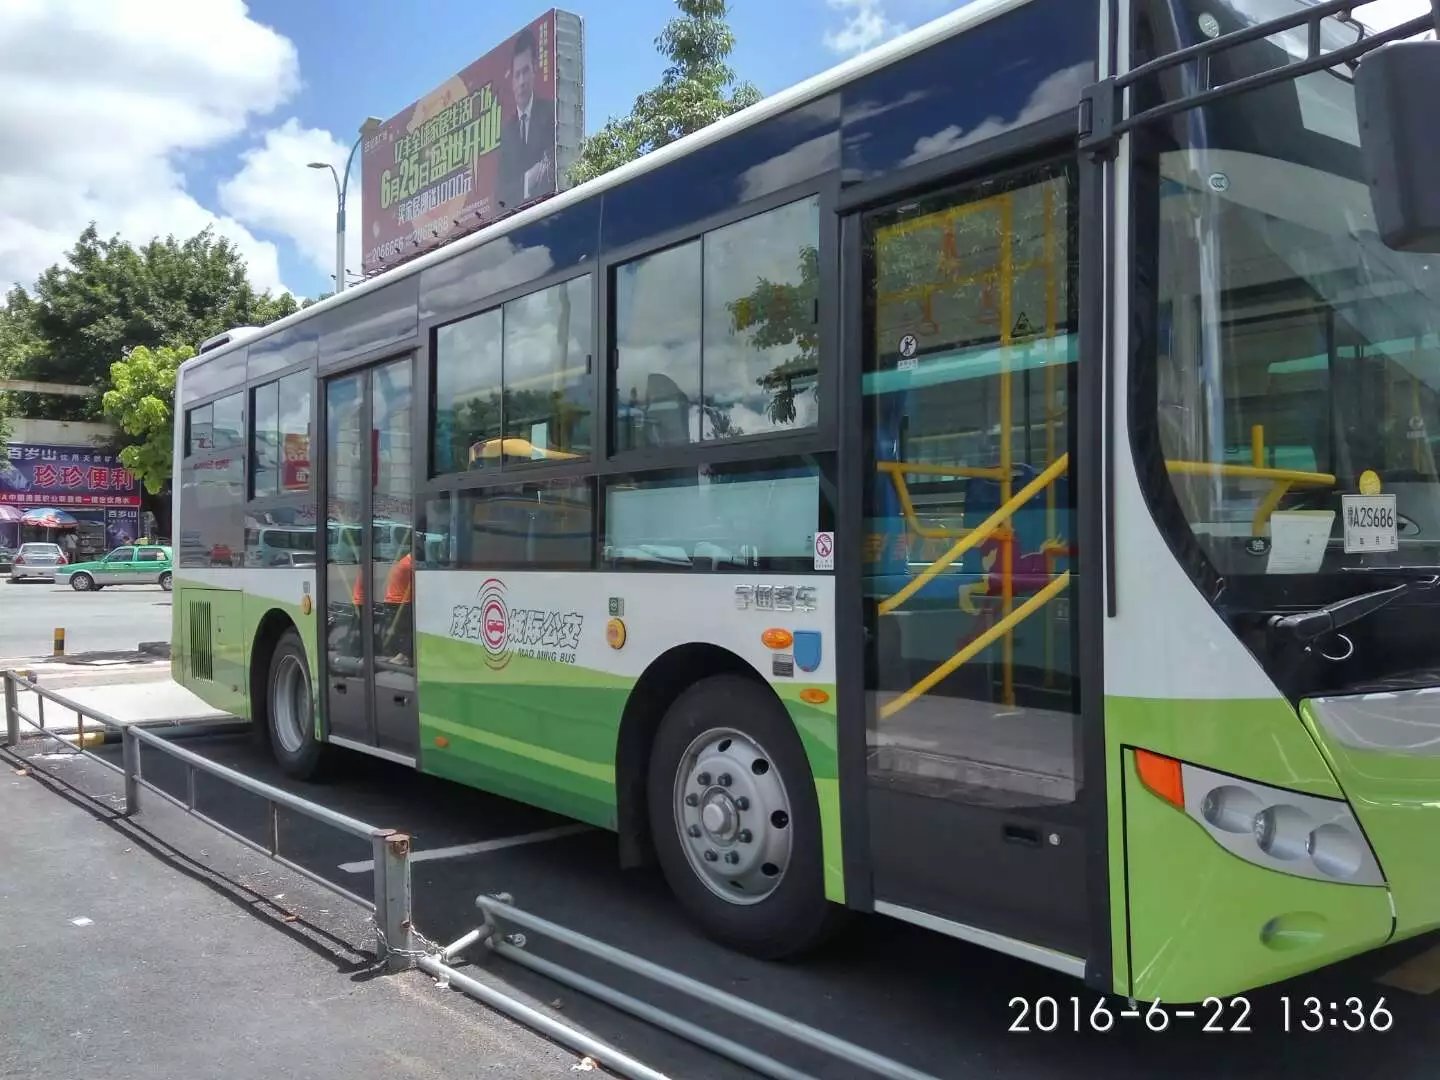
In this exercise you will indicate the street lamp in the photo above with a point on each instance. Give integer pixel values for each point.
(342, 184)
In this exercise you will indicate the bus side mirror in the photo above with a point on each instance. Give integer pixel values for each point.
(1397, 93)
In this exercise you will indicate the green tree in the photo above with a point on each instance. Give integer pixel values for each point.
(697, 89)
(783, 314)
(141, 402)
(108, 296)
(18, 341)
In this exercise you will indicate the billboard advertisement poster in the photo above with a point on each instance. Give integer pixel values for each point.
(491, 139)
(64, 476)
(295, 468)
(121, 527)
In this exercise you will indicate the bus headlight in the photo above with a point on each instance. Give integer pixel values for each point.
(1283, 831)
(1287, 831)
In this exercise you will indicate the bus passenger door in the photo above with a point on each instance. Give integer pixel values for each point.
(972, 752)
(369, 565)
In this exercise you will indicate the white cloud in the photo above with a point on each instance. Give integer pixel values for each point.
(866, 25)
(1383, 14)
(1054, 94)
(275, 190)
(103, 102)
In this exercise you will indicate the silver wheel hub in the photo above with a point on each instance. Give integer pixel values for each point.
(733, 816)
(290, 703)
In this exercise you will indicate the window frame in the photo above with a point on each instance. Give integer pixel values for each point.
(252, 389)
(592, 488)
(826, 464)
(822, 433)
(434, 481)
(190, 450)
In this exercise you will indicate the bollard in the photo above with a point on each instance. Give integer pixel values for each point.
(59, 649)
(12, 711)
(392, 900)
(130, 751)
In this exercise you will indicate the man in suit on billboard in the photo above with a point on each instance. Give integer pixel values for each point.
(527, 138)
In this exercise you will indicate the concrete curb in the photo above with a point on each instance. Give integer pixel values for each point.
(155, 648)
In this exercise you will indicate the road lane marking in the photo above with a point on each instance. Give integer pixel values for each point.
(1419, 975)
(366, 865)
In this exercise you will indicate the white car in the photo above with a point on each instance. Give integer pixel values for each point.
(36, 561)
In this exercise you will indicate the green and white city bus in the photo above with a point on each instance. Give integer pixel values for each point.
(991, 484)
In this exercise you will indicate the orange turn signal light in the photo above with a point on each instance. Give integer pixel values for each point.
(776, 638)
(441, 741)
(1161, 775)
(811, 696)
(615, 634)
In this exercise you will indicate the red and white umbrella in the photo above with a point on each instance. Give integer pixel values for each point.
(47, 517)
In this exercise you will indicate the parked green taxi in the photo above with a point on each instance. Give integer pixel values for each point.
(137, 564)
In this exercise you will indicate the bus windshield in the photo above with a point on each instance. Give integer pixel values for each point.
(1296, 387)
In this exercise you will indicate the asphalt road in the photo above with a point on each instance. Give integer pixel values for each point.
(123, 960)
(114, 620)
(936, 1004)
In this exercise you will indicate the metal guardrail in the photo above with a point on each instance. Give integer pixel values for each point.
(400, 945)
(390, 904)
(500, 908)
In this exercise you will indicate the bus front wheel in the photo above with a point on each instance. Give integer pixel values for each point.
(735, 820)
(290, 709)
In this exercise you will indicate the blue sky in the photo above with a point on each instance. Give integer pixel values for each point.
(151, 117)
(155, 117)
(340, 43)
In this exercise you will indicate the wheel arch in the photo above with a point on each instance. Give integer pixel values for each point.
(664, 680)
(268, 632)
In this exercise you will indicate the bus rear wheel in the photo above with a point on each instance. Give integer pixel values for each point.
(735, 820)
(290, 709)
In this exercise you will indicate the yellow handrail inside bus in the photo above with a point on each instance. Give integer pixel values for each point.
(898, 471)
(976, 645)
(978, 535)
(1281, 480)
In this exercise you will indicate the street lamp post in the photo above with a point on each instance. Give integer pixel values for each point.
(342, 184)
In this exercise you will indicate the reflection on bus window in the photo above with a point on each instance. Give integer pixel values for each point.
(717, 517)
(719, 337)
(969, 544)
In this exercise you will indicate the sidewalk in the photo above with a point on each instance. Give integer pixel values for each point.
(115, 963)
(131, 687)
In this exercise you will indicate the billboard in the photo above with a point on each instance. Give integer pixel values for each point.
(498, 135)
(64, 477)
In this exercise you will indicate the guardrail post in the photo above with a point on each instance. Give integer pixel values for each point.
(130, 753)
(392, 900)
(12, 711)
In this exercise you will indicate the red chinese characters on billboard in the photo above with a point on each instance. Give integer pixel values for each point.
(295, 463)
(480, 145)
(37, 475)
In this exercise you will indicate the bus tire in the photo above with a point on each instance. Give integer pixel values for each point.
(735, 821)
(290, 709)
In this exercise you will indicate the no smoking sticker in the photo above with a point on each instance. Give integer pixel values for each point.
(825, 551)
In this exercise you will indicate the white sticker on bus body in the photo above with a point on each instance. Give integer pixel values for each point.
(825, 551)
(1370, 523)
(561, 617)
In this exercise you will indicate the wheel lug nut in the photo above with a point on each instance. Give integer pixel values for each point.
(732, 857)
(710, 856)
(692, 799)
(742, 803)
(703, 779)
(723, 779)
(694, 830)
(745, 836)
